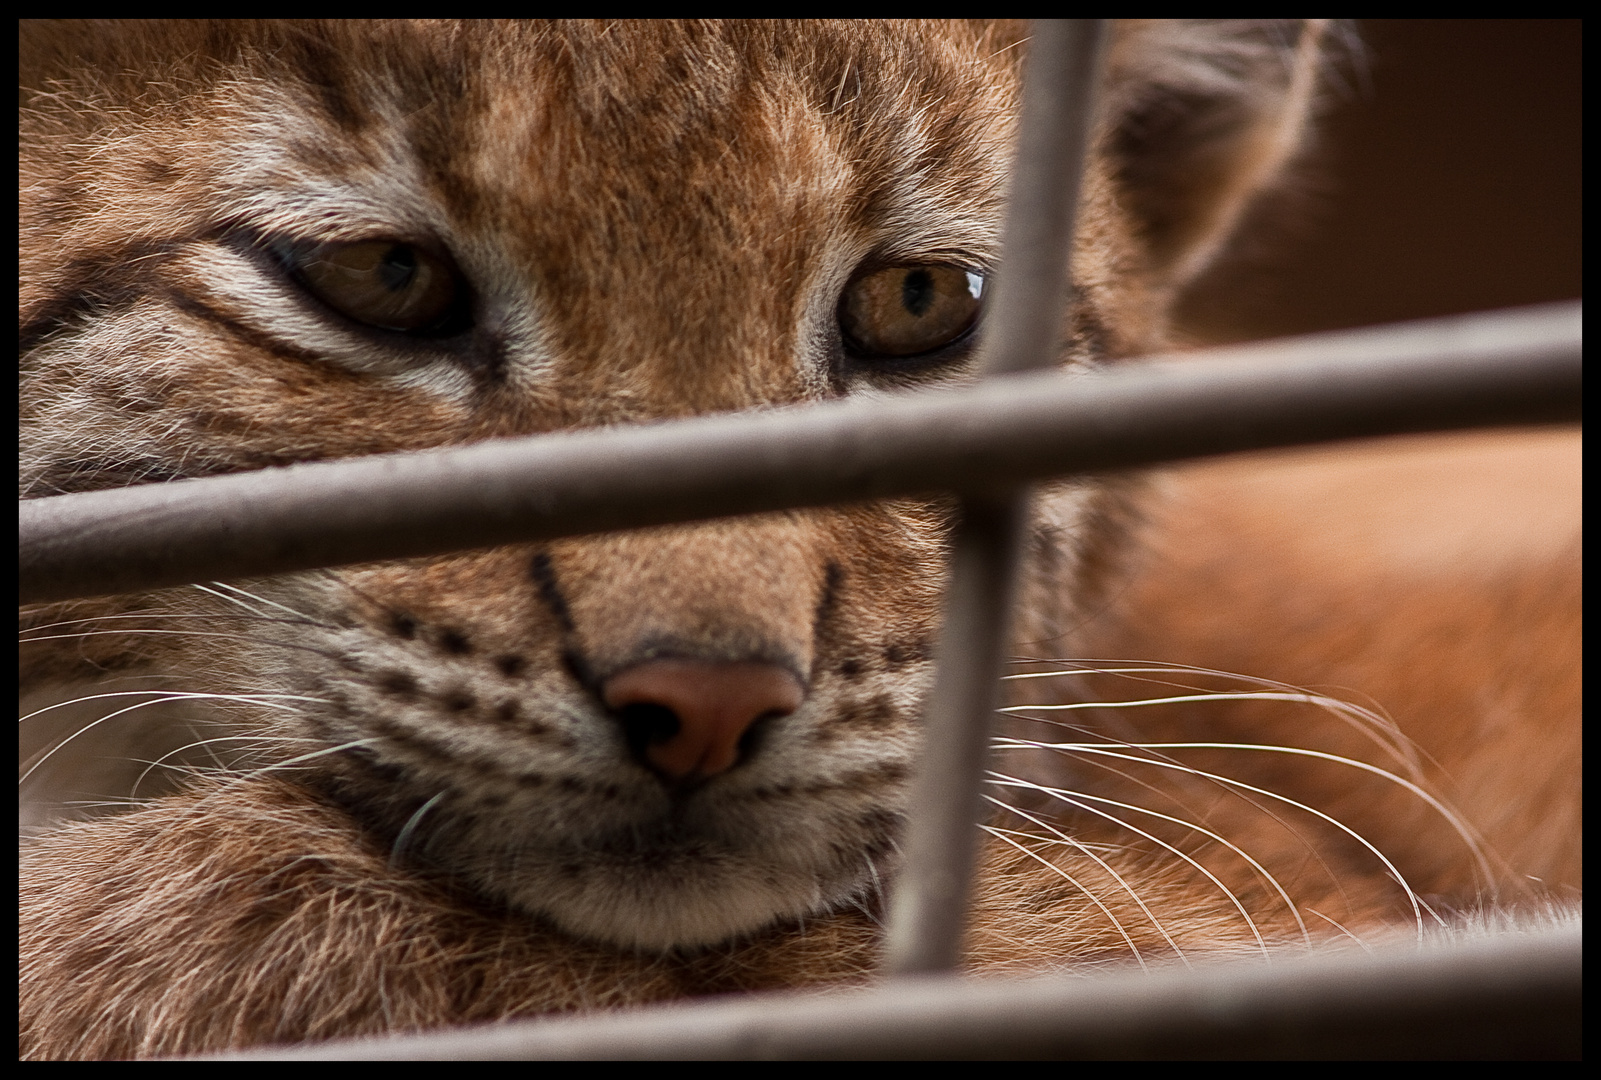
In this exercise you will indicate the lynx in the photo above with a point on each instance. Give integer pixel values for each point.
(632, 767)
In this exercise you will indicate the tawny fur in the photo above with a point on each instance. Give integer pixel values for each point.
(658, 220)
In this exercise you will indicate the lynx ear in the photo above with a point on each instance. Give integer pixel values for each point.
(1203, 116)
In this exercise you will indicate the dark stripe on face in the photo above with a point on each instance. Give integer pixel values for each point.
(245, 335)
(95, 289)
(322, 67)
(95, 286)
(543, 573)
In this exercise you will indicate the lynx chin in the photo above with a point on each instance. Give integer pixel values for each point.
(639, 766)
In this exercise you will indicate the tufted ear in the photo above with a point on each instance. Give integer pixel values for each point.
(1201, 116)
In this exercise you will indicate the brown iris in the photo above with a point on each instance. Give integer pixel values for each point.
(382, 283)
(909, 310)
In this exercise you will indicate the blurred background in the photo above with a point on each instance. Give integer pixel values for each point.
(1446, 180)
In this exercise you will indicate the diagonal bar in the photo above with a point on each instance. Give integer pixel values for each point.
(929, 903)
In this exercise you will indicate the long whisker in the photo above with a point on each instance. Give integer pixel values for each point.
(1006, 836)
(878, 891)
(1412, 896)
(27, 633)
(1170, 794)
(253, 739)
(323, 752)
(1458, 825)
(1068, 797)
(1300, 697)
(1383, 730)
(1007, 781)
(200, 807)
(269, 700)
(1341, 928)
(244, 594)
(1064, 838)
(1371, 721)
(156, 632)
(409, 828)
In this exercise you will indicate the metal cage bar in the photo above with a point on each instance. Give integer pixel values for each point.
(1515, 997)
(1518, 367)
(1034, 284)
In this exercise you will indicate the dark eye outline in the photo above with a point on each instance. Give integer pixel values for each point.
(958, 347)
(457, 319)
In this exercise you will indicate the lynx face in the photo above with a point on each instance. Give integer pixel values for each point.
(250, 245)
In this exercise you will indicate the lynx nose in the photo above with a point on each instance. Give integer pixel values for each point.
(687, 717)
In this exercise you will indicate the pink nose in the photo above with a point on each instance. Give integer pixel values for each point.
(713, 703)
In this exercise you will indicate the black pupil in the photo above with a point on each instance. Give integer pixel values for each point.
(917, 291)
(397, 268)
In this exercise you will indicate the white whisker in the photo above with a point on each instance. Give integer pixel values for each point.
(1005, 836)
(1007, 781)
(1341, 928)
(1412, 897)
(1294, 697)
(244, 594)
(270, 700)
(157, 632)
(251, 739)
(1473, 843)
(322, 752)
(1071, 800)
(1064, 838)
(1372, 722)
(410, 827)
(147, 616)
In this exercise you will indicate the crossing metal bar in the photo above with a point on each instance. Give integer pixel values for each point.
(1512, 997)
(1517, 367)
(929, 905)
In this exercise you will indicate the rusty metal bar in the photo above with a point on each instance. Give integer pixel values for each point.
(1517, 996)
(929, 903)
(1518, 367)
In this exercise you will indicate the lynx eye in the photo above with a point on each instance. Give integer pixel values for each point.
(382, 283)
(909, 310)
